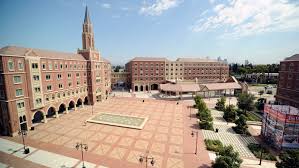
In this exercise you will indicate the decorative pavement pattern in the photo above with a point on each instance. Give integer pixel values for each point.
(119, 120)
(228, 137)
(163, 135)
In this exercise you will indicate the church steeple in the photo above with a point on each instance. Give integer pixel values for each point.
(87, 34)
(86, 18)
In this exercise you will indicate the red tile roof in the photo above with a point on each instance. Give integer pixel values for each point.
(149, 59)
(22, 51)
(293, 58)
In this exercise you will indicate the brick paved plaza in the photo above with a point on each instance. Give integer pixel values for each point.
(166, 135)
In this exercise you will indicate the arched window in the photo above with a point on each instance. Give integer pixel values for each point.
(10, 65)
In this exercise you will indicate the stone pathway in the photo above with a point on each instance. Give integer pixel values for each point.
(40, 157)
(228, 137)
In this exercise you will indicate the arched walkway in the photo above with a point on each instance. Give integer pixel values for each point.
(62, 108)
(146, 87)
(71, 106)
(136, 89)
(79, 103)
(86, 101)
(141, 88)
(51, 112)
(38, 117)
(154, 87)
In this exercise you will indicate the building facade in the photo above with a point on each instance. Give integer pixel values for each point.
(147, 73)
(288, 82)
(37, 84)
(119, 79)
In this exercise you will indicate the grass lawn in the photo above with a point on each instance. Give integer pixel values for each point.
(256, 150)
(251, 117)
(213, 145)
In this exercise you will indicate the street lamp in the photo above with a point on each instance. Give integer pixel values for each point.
(147, 159)
(82, 147)
(92, 109)
(192, 134)
(261, 156)
(24, 133)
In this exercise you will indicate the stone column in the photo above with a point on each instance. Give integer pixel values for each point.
(66, 110)
(45, 118)
(56, 114)
(82, 105)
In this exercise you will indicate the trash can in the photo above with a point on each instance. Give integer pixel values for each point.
(216, 130)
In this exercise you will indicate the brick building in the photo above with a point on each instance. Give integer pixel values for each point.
(288, 85)
(146, 73)
(36, 84)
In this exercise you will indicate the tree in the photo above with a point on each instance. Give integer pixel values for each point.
(199, 103)
(220, 105)
(246, 102)
(230, 113)
(289, 159)
(227, 158)
(241, 127)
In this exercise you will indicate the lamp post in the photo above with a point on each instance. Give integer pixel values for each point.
(261, 156)
(82, 147)
(92, 109)
(190, 107)
(24, 133)
(147, 159)
(192, 134)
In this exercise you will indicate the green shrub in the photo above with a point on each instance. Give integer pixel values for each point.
(206, 125)
(213, 145)
(256, 150)
(230, 113)
(205, 115)
(220, 105)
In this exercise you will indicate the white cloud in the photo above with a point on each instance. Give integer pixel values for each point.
(249, 17)
(212, 1)
(106, 5)
(159, 7)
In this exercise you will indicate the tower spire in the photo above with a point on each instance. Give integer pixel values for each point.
(87, 34)
(86, 18)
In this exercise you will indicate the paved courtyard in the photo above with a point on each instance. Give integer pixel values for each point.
(166, 135)
(228, 137)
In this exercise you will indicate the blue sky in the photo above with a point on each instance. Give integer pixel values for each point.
(264, 31)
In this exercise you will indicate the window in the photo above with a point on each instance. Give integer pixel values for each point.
(20, 65)
(44, 66)
(10, 65)
(36, 77)
(56, 66)
(58, 76)
(19, 92)
(60, 86)
(290, 76)
(77, 75)
(34, 65)
(70, 83)
(53, 96)
(37, 89)
(38, 101)
(17, 79)
(78, 82)
(2, 95)
(49, 87)
(61, 66)
(20, 105)
(50, 66)
(48, 77)
(69, 75)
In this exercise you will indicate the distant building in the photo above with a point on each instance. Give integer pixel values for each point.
(37, 84)
(120, 79)
(288, 85)
(246, 62)
(261, 77)
(146, 73)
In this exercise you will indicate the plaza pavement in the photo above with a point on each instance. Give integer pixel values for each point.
(166, 136)
(239, 142)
